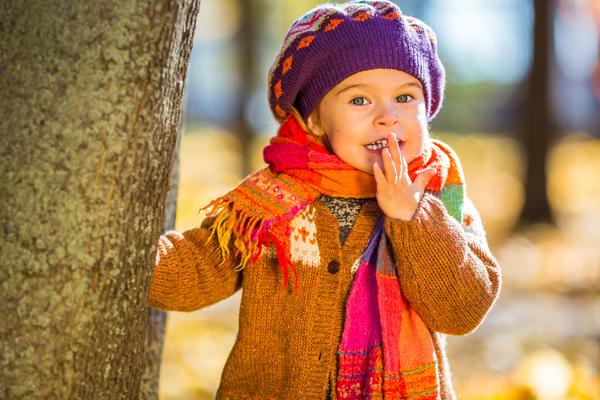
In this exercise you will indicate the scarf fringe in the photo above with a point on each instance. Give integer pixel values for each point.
(257, 213)
(251, 234)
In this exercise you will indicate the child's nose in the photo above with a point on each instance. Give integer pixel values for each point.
(387, 116)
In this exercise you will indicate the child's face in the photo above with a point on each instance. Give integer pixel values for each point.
(367, 107)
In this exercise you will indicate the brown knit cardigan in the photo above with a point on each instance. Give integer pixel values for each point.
(287, 340)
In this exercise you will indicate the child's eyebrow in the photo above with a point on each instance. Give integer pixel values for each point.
(415, 84)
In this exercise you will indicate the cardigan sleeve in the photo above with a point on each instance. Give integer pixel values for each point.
(445, 269)
(190, 272)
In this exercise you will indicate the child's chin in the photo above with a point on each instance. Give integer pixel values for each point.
(367, 169)
(365, 165)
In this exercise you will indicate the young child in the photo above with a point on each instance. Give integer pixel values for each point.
(356, 248)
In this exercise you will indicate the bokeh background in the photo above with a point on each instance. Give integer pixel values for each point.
(518, 99)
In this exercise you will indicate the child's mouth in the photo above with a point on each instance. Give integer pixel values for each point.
(381, 144)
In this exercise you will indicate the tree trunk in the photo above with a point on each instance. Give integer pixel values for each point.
(90, 113)
(157, 319)
(247, 38)
(538, 127)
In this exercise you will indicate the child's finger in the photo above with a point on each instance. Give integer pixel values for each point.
(378, 174)
(390, 169)
(423, 178)
(395, 151)
(404, 167)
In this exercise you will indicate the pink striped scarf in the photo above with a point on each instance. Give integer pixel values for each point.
(386, 350)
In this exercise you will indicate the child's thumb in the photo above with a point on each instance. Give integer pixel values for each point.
(423, 178)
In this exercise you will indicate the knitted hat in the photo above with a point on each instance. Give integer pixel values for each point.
(333, 41)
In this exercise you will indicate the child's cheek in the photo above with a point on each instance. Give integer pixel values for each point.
(422, 112)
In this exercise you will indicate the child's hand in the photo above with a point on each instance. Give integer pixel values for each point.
(397, 196)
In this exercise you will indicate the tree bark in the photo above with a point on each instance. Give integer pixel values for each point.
(90, 110)
(538, 127)
(247, 39)
(157, 319)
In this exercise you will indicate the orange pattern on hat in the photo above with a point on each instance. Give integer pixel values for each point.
(280, 111)
(287, 64)
(363, 16)
(305, 42)
(333, 23)
(391, 16)
(278, 90)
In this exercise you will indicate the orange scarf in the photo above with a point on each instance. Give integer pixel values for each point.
(259, 210)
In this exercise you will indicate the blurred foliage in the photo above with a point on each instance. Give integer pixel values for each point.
(512, 355)
(479, 105)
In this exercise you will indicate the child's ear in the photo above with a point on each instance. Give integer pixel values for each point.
(314, 124)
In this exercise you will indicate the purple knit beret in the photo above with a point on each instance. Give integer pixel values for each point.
(333, 41)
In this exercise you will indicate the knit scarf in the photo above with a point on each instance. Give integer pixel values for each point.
(258, 212)
(386, 350)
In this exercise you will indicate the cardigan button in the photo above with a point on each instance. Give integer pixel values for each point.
(333, 267)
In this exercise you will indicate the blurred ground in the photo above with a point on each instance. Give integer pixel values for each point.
(542, 338)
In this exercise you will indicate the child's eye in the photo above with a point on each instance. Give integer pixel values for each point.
(359, 101)
(404, 98)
